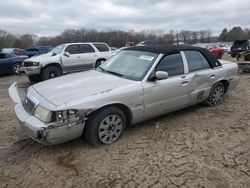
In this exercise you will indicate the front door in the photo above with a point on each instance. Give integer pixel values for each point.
(73, 61)
(162, 96)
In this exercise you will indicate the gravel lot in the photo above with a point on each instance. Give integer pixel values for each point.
(195, 147)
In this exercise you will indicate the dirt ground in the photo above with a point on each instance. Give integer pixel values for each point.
(196, 147)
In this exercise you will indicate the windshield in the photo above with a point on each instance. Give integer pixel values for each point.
(129, 64)
(58, 49)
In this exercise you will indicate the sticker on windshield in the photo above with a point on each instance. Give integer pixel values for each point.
(146, 58)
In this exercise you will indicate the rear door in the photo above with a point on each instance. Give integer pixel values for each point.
(162, 96)
(201, 76)
(88, 56)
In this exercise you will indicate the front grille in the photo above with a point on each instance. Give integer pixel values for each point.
(27, 64)
(29, 105)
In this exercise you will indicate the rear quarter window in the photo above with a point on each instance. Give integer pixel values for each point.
(102, 47)
(196, 61)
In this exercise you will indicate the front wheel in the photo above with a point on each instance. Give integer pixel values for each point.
(216, 95)
(51, 72)
(98, 63)
(105, 126)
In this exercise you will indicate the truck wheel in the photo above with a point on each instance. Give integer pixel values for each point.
(216, 95)
(98, 63)
(34, 78)
(50, 72)
(105, 126)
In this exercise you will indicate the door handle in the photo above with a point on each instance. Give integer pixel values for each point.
(212, 75)
(184, 82)
(78, 57)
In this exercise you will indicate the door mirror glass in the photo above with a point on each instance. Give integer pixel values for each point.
(161, 75)
(67, 54)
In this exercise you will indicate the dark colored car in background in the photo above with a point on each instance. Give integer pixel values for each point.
(215, 50)
(9, 63)
(38, 50)
(240, 46)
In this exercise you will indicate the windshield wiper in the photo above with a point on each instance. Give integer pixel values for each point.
(115, 73)
(111, 72)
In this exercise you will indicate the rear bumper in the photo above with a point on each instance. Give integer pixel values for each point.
(233, 82)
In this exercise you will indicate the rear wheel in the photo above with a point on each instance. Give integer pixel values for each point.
(105, 126)
(216, 95)
(51, 72)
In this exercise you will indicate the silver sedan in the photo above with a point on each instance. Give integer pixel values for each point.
(134, 85)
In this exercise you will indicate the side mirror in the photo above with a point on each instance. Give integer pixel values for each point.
(161, 75)
(67, 54)
(158, 75)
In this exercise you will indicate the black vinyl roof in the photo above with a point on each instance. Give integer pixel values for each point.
(171, 49)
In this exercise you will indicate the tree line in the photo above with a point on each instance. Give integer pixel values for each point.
(236, 33)
(119, 38)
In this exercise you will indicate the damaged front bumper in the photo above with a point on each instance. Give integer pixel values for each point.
(48, 134)
(28, 70)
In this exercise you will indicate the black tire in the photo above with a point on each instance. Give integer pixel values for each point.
(94, 131)
(216, 95)
(51, 72)
(98, 63)
(15, 67)
(34, 78)
(233, 55)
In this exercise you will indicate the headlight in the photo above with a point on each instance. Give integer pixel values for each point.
(67, 116)
(35, 63)
(43, 114)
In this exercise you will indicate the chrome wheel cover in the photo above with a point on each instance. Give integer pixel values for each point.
(110, 129)
(218, 95)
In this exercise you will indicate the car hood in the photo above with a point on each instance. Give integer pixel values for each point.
(40, 58)
(69, 88)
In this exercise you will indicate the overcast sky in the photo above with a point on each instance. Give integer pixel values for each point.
(51, 17)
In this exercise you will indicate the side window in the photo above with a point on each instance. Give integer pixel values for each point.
(86, 48)
(204, 62)
(8, 55)
(102, 47)
(194, 61)
(172, 64)
(72, 49)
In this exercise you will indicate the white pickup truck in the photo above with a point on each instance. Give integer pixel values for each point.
(65, 58)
